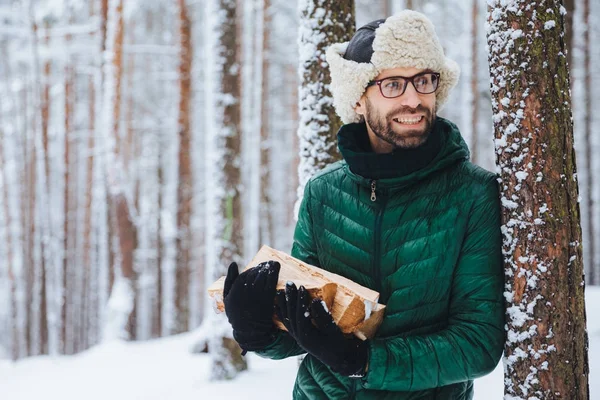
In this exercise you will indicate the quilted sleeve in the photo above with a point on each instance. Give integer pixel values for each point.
(473, 341)
(304, 247)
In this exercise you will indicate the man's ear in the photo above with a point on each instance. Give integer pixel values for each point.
(360, 108)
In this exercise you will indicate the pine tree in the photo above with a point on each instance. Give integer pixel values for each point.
(546, 348)
(185, 186)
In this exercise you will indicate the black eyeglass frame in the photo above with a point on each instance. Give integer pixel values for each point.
(407, 79)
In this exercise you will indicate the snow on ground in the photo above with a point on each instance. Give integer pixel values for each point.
(165, 369)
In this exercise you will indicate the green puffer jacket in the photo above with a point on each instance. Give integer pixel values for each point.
(430, 243)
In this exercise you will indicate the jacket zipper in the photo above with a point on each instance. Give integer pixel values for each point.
(377, 237)
(373, 187)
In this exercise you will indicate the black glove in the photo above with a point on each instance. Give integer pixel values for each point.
(249, 301)
(325, 341)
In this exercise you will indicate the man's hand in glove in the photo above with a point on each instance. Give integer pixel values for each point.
(249, 300)
(325, 341)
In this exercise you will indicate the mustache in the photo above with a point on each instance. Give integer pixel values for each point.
(409, 110)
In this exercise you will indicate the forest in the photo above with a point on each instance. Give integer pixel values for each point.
(144, 145)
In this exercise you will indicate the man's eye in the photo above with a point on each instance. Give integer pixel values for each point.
(393, 85)
(422, 80)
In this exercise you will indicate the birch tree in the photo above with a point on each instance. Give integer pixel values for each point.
(546, 348)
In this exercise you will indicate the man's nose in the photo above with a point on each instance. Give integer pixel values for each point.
(410, 97)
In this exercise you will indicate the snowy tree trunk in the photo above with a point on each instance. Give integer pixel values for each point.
(7, 323)
(87, 250)
(198, 117)
(68, 277)
(588, 206)
(38, 333)
(322, 23)
(570, 8)
(223, 199)
(546, 348)
(474, 145)
(122, 302)
(185, 186)
(266, 148)
(251, 123)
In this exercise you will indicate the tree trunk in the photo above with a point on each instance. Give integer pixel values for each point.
(587, 145)
(570, 8)
(546, 348)
(185, 187)
(70, 297)
(266, 211)
(474, 82)
(11, 317)
(223, 206)
(320, 26)
(122, 224)
(91, 267)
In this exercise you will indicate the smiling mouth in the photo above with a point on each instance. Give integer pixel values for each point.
(409, 121)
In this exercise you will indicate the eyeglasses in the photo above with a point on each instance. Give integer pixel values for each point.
(395, 86)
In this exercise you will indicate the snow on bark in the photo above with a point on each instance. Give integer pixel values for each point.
(122, 296)
(185, 185)
(222, 172)
(322, 23)
(546, 348)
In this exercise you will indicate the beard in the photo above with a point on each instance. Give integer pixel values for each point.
(393, 133)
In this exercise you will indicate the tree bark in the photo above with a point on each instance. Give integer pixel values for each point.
(70, 297)
(185, 188)
(570, 8)
(546, 348)
(590, 245)
(321, 24)
(266, 212)
(123, 227)
(223, 197)
(474, 81)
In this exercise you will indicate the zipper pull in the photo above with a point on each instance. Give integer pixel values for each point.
(373, 186)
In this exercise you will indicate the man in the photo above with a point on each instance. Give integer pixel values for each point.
(406, 214)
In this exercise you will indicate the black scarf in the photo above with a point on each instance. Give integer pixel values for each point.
(354, 145)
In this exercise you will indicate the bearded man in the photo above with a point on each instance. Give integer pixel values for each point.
(404, 213)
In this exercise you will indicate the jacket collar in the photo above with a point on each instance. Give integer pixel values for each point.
(403, 167)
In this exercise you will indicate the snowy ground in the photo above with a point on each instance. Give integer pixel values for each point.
(164, 369)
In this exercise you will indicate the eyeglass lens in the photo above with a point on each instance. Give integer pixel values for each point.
(395, 86)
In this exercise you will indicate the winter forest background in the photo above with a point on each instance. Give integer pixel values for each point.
(119, 159)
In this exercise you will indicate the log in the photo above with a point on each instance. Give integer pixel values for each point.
(354, 308)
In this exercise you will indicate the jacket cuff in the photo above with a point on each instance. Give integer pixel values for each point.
(377, 362)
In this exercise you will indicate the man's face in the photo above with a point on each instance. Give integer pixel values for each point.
(401, 122)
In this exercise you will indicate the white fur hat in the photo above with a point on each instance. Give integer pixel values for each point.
(407, 39)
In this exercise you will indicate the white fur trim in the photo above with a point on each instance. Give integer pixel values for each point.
(407, 39)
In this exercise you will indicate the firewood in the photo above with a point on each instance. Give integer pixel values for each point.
(354, 308)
